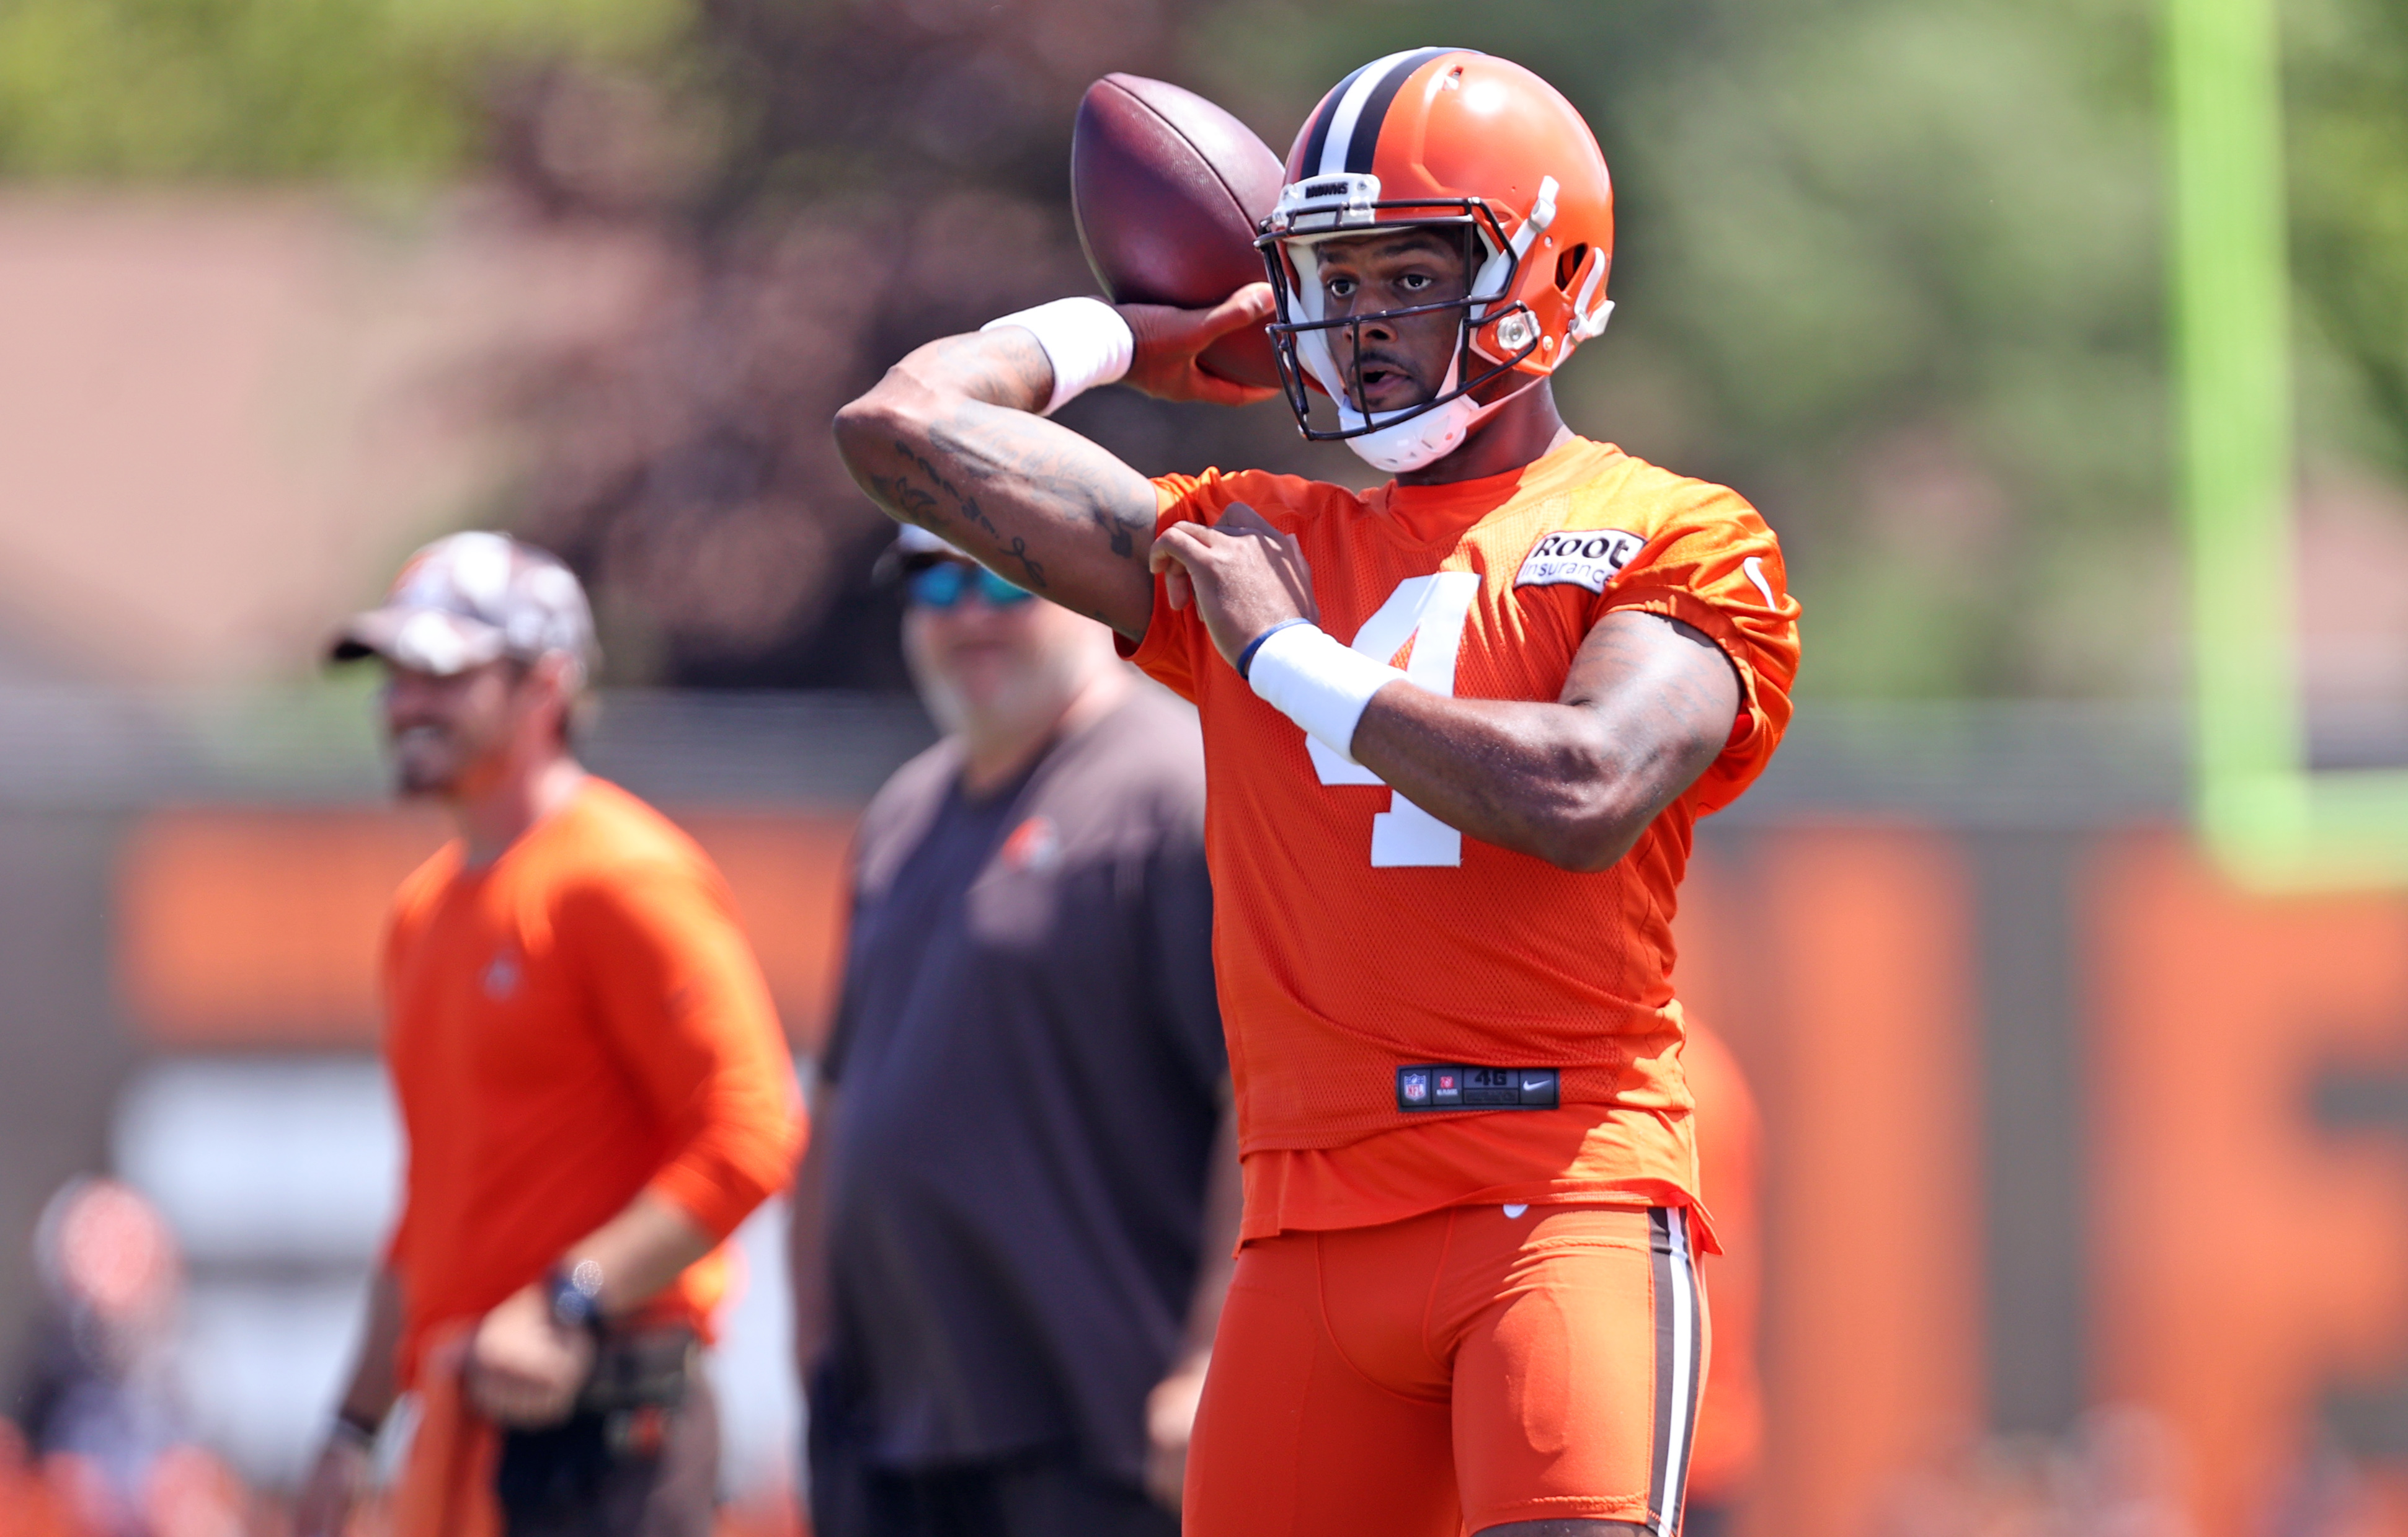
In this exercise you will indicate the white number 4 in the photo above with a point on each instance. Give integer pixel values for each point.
(1430, 611)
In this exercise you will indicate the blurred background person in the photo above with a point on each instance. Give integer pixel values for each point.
(591, 1082)
(1730, 1414)
(97, 1401)
(1013, 1233)
(96, 1404)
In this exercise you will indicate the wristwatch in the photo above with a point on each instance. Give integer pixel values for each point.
(576, 1295)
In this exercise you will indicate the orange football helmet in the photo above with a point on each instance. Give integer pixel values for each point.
(1445, 136)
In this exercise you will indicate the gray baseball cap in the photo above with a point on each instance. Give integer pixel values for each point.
(473, 598)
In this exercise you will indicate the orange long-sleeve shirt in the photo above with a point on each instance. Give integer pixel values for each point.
(579, 1022)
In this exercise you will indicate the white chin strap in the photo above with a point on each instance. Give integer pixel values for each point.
(1403, 447)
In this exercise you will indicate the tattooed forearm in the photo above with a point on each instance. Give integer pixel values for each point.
(950, 441)
(952, 494)
(914, 505)
(1048, 465)
(1029, 566)
(920, 506)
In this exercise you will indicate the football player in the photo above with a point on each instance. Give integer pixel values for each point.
(1458, 731)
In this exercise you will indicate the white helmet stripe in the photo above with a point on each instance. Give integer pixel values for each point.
(1350, 108)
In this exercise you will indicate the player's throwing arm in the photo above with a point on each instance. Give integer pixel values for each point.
(955, 440)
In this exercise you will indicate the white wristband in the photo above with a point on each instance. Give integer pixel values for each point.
(1085, 339)
(1305, 673)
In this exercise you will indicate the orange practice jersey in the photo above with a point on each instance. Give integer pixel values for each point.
(1354, 934)
(568, 1027)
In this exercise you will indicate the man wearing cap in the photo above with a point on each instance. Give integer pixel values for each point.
(592, 1086)
(1014, 1231)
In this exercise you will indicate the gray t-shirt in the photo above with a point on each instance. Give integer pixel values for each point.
(1032, 1071)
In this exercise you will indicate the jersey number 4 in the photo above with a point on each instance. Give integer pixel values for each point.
(1430, 611)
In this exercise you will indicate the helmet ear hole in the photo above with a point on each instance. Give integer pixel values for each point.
(1568, 266)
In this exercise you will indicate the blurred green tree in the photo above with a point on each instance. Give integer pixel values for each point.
(250, 89)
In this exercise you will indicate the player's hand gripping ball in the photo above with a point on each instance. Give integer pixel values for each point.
(1170, 359)
(1167, 191)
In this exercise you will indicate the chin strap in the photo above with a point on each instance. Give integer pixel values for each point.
(1405, 446)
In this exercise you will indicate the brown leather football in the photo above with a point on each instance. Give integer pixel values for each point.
(1168, 190)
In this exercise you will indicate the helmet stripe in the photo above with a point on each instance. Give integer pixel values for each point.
(1320, 136)
(1363, 143)
(1334, 135)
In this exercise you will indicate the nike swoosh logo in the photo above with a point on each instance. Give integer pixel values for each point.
(1754, 567)
(1531, 1086)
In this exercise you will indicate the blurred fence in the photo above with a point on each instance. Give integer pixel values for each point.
(2055, 1118)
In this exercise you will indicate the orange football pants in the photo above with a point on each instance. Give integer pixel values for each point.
(1451, 1373)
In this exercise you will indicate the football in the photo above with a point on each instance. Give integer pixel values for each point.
(1168, 190)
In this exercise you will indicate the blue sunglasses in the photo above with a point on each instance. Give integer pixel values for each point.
(945, 584)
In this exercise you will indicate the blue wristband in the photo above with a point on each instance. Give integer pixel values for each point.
(1246, 657)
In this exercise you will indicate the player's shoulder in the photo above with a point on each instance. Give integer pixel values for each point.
(423, 887)
(1282, 499)
(921, 782)
(609, 837)
(905, 804)
(618, 824)
(1150, 746)
(1650, 493)
(1129, 782)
